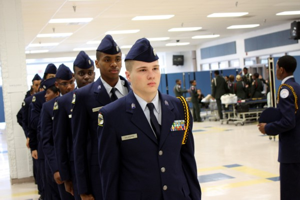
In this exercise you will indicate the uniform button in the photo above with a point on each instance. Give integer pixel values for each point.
(163, 169)
(160, 153)
(165, 187)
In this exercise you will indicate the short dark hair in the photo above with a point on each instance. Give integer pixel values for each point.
(192, 81)
(177, 80)
(287, 62)
(54, 89)
(256, 75)
(98, 55)
(245, 68)
(216, 72)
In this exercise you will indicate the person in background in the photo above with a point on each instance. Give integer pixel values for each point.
(256, 87)
(147, 156)
(239, 88)
(288, 128)
(195, 101)
(178, 90)
(230, 84)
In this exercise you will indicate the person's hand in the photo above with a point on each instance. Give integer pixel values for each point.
(87, 197)
(27, 143)
(57, 178)
(247, 86)
(261, 127)
(69, 187)
(34, 154)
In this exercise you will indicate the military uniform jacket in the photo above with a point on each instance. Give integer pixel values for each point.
(63, 139)
(47, 134)
(256, 88)
(194, 95)
(178, 91)
(240, 90)
(25, 112)
(35, 108)
(288, 127)
(219, 87)
(134, 165)
(89, 99)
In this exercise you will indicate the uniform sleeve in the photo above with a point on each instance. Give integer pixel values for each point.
(109, 159)
(35, 114)
(19, 117)
(25, 119)
(32, 134)
(288, 120)
(189, 165)
(60, 130)
(80, 133)
(47, 138)
(213, 87)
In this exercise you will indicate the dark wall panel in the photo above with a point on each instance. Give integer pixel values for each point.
(163, 84)
(271, 40)
(203, 79)
(218, 50)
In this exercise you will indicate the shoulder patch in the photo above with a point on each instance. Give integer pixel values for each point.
(23, 104)
(55, 107)
(74, 98)
(100, 120)
(33, 99)
(284, 93)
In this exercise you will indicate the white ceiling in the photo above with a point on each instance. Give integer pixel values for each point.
(109, 15)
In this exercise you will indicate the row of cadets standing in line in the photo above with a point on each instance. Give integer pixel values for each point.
(84, 74)
(63, 83)
(87, 102)
(145, 143)
(33, 113)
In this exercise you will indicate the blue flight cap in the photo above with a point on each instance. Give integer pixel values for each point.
(36, 78)
(142, 51)
(50, 69)
(83, 61)
(108, 46)
(64, 72)
(270, 115)
(48, 83)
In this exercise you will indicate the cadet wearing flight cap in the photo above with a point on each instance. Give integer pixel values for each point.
(87, 103)
(146, 146)
(50, 71)
(64, 82)
(288, 127)
(84, 74)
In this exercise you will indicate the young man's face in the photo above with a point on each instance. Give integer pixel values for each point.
(278, 72)
(144, 77)
(36, 85)
(109, 65)
(84, 76)
(65, 86)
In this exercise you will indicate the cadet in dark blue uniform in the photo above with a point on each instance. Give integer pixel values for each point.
(288, 128)
(146, 146)
(65, 83)
(87, 103)
(84, 74)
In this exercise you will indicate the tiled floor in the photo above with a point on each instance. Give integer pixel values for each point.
(234, 162)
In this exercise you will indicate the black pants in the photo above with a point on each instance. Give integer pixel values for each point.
(219, 105)
(196, 112)
(289, 181)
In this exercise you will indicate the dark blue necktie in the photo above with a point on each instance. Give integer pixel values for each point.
(154, 123)
(113, 94)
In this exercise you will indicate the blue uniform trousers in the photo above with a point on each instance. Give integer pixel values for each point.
(289, 181)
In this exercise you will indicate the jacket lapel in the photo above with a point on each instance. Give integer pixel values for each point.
(100, 93)
(138, 117)
(167, 119)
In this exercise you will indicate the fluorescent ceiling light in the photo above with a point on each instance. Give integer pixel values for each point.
(178, 44)
(122, 32)
(158, 39)
(71, 20)
(43, 45)
(229, 14)
(243, 26)
(296, 12)
(36, 51)
(184, 29)
(126, 46)
(86, 49)
(94, 42)
(54, 35)
(153, 17)
(205, 36)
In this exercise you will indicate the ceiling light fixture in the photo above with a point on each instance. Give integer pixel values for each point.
(158, 39)
(152, 17)
(296, 12)
(122, 32)
(85, 49)
(71, 20)
(36, 51)
(43, 45)
(178, 44)
(94, 42)
(243, 26)
(205, 36)
(229, 14)
(184, 29)
(54, 35)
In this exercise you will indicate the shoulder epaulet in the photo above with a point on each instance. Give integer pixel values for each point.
(186, 118)
(294, 94)
(33, 99)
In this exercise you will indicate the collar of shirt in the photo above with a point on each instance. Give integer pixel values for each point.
(157, 106)
(286, 78)
(118, 86)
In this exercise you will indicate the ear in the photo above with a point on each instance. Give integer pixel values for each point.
(127, 73)
(96, 63)
(56, 84)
